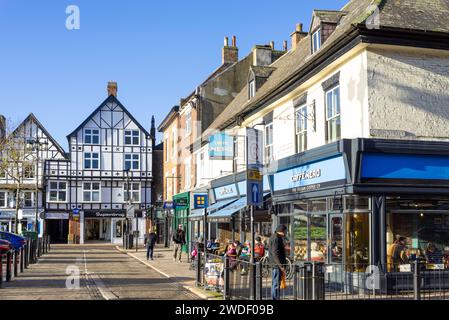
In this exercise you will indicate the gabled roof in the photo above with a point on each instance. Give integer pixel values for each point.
(329, 16)
(415, 15)
(32, 118)
(111, 98)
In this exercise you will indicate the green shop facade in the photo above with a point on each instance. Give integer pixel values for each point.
(181, 204)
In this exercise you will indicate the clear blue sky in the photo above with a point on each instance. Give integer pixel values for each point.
(157, 51)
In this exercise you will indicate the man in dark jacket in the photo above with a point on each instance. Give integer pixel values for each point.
(179, 239)
(277, 255)
(150, 241)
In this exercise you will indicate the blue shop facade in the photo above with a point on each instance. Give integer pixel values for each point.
(345, 203)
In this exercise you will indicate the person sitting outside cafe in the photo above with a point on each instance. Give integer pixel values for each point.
(433, 255)
(231, 253)
(259, 249)
(245, 255)
(214, 246)
(397, 254)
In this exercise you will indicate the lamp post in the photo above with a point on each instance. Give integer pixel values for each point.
(37, 144)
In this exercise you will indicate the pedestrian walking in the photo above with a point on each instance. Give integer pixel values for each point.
(179, 239)
(277, 256)
(150, 241)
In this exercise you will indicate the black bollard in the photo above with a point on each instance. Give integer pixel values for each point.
(8, 266)
(22, 260)
(16, 265)
(1, 269)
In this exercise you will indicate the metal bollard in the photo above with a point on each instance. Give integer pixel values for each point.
(22, 260)
(295, 281)
(16, 265)
(1, 270)
(8, 266)
(49, 243)
(259, 281)
(226, 287)
(416, 281)
(252, 285)
(198, 273)
(314, 295)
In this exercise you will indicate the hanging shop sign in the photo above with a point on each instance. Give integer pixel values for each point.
(221, 147)
(200, 201)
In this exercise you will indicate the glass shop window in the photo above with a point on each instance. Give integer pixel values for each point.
(357, 241)
(318, 237)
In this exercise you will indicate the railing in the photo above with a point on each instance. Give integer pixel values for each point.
(237, 278)
(13, 262)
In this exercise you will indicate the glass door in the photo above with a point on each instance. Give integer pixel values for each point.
(335, 268)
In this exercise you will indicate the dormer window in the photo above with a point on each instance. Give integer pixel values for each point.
(316, 41)
(251, 88)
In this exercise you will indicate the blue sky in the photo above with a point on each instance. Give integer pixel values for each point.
(157, 51)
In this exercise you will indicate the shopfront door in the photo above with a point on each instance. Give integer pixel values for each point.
(335, 271)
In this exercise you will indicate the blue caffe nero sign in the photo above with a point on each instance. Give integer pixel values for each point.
(221, 146)
(310, 176)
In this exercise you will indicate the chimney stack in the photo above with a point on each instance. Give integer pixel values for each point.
(297, 36)
(230, 54)
(112, 88)
(2, 127)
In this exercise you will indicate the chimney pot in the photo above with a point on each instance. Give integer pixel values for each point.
(297, 35)
(285, 45)
(299, 27)
(234, 41)
(226, 41)
(112, 88)
(230, 54)
(272, 45)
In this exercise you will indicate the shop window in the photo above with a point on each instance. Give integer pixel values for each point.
(336, 239)
(118, 229)
(300, 236)
(318, 205)
(357, 203)
(357, 241)
(318, 237)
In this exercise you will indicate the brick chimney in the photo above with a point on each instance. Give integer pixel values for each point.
(230, 53)
(2, 127)
(112, 89)
(297, 36)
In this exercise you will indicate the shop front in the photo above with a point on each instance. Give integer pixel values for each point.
(181, 217)
(229, 217)
(110, 226)
(346, 203)
(57, 226)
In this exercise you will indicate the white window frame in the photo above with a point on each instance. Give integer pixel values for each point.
(335, 111)
(252, 88)
(268, 145)
(132, 160)
(91, 191)
(132, 192)
(132, 135)
(5, 200)
(188, 122)
(316, 45)
(31, 199)
(301, 118)
(91, 160)
(59, 191)
(91, 135)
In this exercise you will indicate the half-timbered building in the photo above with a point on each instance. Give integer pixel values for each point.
(22, 178)
(109, 168)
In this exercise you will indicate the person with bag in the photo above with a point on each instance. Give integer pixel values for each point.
(278, 259)
(179, 239)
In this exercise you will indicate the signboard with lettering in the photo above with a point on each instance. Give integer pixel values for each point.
(225, 192)
(200, 201)
(221, 146)
(105, 214)
(310, 176)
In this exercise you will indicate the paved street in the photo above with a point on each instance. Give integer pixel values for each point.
(105, 273)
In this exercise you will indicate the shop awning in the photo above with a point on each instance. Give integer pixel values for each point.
(198, 214)
(230, 210)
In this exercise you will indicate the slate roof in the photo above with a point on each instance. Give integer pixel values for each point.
(419, 15)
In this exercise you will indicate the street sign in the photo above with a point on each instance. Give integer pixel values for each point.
(254, 165)
(254, 174)
(76, 211)
(130, 211)
(200, 201)
(169, 205)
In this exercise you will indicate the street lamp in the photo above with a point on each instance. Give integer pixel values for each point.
(36, 144)
(128, 202)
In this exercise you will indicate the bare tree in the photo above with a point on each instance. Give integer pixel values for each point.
(16, 163)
